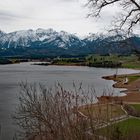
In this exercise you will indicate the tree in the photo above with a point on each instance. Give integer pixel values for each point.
(50, 114)
(59, 114)
(129, 15)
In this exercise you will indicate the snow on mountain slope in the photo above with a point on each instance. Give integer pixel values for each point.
(2, 33)
(111, 37)
(48, 41)
(24, 38)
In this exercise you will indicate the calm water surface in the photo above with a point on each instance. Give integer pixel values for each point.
(12, 75)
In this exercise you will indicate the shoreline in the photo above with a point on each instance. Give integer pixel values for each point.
(132, 86)
(83, 65)
(47, 63)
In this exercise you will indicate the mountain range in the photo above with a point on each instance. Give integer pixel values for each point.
(50, 43)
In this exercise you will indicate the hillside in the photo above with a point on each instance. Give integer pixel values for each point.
(49, 43)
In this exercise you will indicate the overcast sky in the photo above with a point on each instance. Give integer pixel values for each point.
(67, 15)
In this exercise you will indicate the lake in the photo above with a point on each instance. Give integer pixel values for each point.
(12, 75)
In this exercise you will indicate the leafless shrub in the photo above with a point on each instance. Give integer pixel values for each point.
(52, 113)
(58, 114)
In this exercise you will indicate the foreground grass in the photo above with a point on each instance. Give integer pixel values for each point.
(136, 107)
(124, 128)
(132, 78)
(103, 112)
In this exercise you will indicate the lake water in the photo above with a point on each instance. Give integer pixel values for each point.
(12, 75)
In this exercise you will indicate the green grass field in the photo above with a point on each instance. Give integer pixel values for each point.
(104, 112)
(132, 78)
(123, 128)
(102, 61)
(136, 107)
(127, 61)
(131, 65)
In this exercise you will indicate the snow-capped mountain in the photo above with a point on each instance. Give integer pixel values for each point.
(48, 42)
(117, 43)
(110, 37)
(25, 38)
(2, 33)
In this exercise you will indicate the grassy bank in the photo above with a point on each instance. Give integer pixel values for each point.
(103, 112)
(111, 61)
(136, 107)
(123, 129)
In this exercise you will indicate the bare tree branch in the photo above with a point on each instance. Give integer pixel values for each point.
(129, 16)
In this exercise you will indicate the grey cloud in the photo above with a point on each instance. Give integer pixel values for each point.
(9, 16)
(69, 15)
(68, 1)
